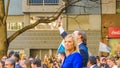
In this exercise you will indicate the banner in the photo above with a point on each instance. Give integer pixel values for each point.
(114, 32)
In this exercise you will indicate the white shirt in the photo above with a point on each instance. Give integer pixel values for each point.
(61, 29)
(115, 66)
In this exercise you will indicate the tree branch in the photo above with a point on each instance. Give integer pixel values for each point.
(43, 20)
(6, 13)
(61, 11)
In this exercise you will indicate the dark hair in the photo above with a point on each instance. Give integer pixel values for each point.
(16, 54)
(37, 62)
(104, 65)
(98, 58)
(92, 60)
(10, 53)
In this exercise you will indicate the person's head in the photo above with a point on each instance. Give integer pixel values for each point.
(4, 58)
(31, 59)
(91, 61)
(16, 56)
(36, 63)
(27, 63)
(103, 60)
(10, 53)
(70, 43)
(98, 59)
(81, 36)
(111, 61)
(10, 63)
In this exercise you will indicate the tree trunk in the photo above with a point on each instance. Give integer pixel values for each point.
(3, 40)
(3, 31)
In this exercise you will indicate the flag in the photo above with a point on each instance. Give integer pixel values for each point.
(61, 47)
(103, 47)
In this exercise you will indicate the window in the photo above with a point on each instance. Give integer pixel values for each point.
(35, 1)
(15, 25)
(43, 1)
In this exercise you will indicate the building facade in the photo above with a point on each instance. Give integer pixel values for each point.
(90, 15)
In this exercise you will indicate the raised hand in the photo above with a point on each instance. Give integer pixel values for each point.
(59, 21)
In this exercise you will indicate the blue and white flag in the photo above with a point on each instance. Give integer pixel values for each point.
(61, 47)
(104, 48)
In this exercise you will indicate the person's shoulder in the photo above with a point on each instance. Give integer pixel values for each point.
(18, 66)
(83, 46)
(76, 54)
(96, 66)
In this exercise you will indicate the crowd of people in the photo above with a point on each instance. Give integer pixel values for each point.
(74, 54)
(73, 59)
(14, 60)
